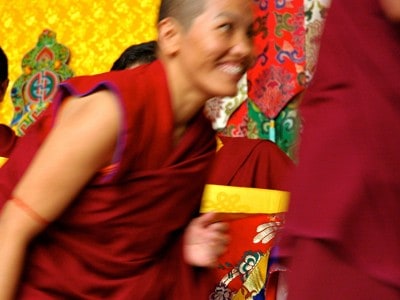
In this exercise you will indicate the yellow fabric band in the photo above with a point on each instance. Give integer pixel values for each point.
(232, 199)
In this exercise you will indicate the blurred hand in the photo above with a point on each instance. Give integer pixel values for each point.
(205, 240)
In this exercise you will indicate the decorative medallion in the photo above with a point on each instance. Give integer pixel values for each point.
(44, 67)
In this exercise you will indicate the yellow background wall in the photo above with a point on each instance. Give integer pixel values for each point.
(96, 32)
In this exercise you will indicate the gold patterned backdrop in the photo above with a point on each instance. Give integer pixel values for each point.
(96, 32)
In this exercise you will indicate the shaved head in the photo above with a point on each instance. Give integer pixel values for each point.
(184, 11)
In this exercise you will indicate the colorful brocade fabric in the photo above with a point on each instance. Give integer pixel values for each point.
(279, 40)
(242, 270)
(278, 74)
(287, 36)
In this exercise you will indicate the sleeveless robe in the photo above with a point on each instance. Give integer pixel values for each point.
(121, 238)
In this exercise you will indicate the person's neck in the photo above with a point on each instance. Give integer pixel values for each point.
(186, 101)
(184, 108)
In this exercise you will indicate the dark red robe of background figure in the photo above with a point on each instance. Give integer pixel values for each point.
(343, 225)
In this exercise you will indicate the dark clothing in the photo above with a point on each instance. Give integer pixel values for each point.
(346, 191)
(8, 139)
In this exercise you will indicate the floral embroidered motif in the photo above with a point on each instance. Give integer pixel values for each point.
(222, 292)
(249, 262)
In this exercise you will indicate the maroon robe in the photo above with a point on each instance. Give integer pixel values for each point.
(121, 237)
(8, 138)
(252, 163)
(343, 225)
